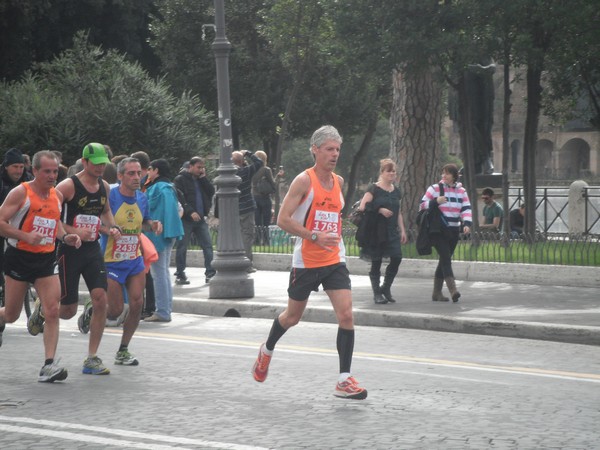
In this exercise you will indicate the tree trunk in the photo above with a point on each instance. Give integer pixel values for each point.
(358, 157)
(285, 122)
(415, 120)
(507, 106)
(466, 143)
(534, 93)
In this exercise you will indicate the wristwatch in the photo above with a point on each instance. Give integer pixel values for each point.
(313, 237)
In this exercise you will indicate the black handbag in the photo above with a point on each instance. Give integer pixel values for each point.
(356, 216)
(423, 243)
(424, 217)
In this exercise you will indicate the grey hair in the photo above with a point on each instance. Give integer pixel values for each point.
(123, 162)
(325, 133)
(36, 162)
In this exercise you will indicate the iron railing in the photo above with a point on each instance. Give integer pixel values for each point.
(542, 248)
(552, 208)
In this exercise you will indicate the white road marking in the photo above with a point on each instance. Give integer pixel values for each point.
(31, 430)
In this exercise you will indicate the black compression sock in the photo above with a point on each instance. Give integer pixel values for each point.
(275, 334)
(345, 348)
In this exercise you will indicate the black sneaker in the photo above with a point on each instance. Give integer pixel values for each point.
(2, 327)
(182, 281)
(52, 372)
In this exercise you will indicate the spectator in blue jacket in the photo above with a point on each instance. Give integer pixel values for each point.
(163, 205)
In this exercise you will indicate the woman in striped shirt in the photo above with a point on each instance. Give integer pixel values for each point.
(456, 213)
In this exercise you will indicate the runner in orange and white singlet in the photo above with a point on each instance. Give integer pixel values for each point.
(39, 215)
(30, 220)
(311, 211)
(320, 212)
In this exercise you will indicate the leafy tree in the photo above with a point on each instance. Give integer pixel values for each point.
(34, 31)
(269, 40)
(395, 39)
(540, 27)
(573, 70)
(183, 41)
(87, 94)
(299, 32)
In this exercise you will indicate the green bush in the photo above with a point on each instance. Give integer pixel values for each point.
(87, 94)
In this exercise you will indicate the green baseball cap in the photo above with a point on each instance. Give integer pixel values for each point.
(95, 153)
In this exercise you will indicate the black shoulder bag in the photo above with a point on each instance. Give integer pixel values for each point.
(423, 220)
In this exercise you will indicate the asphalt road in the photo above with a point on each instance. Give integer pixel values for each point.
(193, 389)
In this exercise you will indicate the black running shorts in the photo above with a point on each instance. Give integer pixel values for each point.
(26, 266)
(86, 261)
(305, 281)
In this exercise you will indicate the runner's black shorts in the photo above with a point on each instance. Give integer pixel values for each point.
(21, 265)
(86, 261)
(305, 281)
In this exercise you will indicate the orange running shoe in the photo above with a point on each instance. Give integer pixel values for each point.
(350, 389)
(261, 366)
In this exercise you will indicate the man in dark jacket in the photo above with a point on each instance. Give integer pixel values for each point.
(197, 192)
(246, 201)
(12, 174)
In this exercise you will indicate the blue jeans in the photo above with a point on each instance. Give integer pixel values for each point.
(163, 290)
(200, 229)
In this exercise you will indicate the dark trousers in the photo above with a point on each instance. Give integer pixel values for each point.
(262, 218)
(445, 243)
(202, 233)
(149, 300)
(2, 240)
(390, 271)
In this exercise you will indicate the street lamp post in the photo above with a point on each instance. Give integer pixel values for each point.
(232, 279)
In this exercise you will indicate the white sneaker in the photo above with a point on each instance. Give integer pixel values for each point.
(119, 320)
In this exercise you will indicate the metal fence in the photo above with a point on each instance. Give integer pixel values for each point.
(542, 248)
(552, 208)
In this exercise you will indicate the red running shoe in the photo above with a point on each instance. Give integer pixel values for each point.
(350, 389)
(261, 366)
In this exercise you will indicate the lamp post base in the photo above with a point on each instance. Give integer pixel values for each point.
(232, 279)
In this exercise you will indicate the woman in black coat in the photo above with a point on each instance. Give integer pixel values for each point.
(382, 231)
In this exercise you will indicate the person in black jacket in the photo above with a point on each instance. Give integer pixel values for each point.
(263, 186)
(382, 231)
(247, 205)
(197, 192)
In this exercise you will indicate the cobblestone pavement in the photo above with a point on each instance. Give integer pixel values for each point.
(193, 389)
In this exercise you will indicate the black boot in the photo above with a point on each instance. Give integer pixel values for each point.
(378, 298)
(386, 289)
(390, 273)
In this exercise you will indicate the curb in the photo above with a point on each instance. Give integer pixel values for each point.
(540, 274)
(514, 329)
